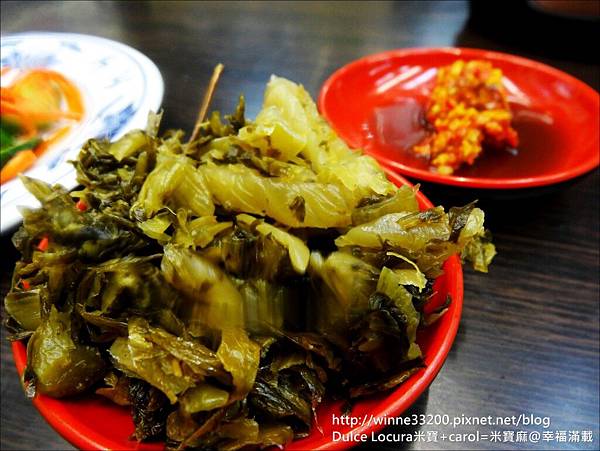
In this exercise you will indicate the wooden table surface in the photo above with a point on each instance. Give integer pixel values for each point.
(529, 337)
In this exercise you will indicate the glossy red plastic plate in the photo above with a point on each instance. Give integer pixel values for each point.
(556, 116)
(94, 423)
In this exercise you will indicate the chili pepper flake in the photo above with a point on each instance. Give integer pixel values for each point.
(43, 244)
(81, 205)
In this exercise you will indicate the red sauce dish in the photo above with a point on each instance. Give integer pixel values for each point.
(91, 422)
(376, 102)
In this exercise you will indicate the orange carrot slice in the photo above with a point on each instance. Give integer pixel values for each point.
(17, 164)
(36, 99)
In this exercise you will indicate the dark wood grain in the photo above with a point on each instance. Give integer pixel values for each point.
(529, 336)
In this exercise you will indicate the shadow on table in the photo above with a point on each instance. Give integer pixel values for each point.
(521, 26)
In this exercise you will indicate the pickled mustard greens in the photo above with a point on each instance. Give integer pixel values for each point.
(223, 288)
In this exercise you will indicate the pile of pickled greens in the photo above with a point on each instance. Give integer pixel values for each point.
(224, 288)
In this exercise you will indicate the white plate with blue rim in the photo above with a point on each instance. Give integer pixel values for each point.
(119, 86)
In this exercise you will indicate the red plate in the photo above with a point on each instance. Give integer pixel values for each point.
(94, 423)
(371, 104)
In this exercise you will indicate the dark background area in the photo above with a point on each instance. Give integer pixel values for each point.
(529, 337)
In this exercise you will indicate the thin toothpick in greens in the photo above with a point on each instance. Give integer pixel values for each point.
(206, 101)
